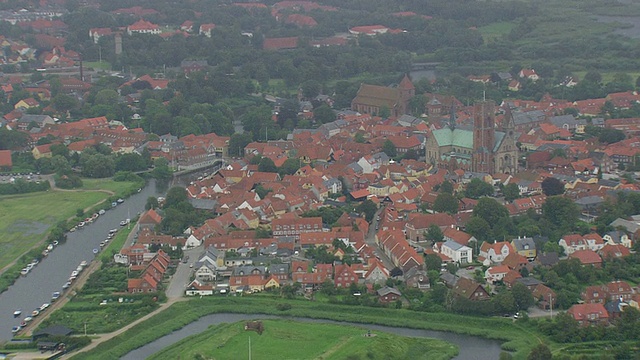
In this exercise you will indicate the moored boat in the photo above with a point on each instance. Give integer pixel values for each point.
(17, 313)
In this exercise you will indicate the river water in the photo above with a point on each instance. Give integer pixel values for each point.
(471, 347)
(31, 291)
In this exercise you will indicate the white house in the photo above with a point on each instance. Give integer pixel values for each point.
(196, 288)
(618, 237)
(457, 252)
(496, 273)
(494, 253)
(205, 271)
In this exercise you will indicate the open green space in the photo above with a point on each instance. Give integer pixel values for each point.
(102, 305)
(519, 336)
(25, 219)
(312, 341)
(98, 65)
(495, 31)
(117, 187)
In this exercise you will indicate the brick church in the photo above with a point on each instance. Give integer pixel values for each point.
(370, 99)
(484, 148)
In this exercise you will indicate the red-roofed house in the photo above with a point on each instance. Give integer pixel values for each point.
(496, 273)
(587, 257)
(149, 220)
(143, 27)
(5, 160)
(589, 314)
(145, 284)
(344, 276)
(280, 43)
(370, 30)
(494, 253)
(206, 29)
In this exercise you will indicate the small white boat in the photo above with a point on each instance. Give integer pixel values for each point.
(74, 273)
(94, 216)
(50, 247)
(15, 329)
(17, 313)
(24, 271)
(73, 229)
(83, 263)
(102, 244)
(102, 212)
(95, 251)
(81, 224)
(120, 201)
(35, 313)
(56, 295)
(79, 268)
(44, 306)
(28, 319)
(66, 285)
(55, 243)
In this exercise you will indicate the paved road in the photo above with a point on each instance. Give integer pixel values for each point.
(370, 239)
(180, 279)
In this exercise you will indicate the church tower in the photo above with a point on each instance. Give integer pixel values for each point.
(506, 156)
(483, 137)
(406, 91)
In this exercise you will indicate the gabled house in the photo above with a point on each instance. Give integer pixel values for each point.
(344, 276)
(470, 289)
(496, 273)
(196, 288)
(525, 247)
(494, 253)
(388, 295)
(587, 257)
(589, 314)
(417, 278)
(149, 220)
(544, 297)
(457, 252)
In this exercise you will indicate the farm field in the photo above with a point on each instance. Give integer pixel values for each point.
(312, 341)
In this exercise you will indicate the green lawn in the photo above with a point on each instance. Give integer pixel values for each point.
(107, 184)
(25, 219)
(98, 65)
(312, 341)
(495, 31)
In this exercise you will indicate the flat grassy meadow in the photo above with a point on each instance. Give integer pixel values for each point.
(25, 219)
(285, 339)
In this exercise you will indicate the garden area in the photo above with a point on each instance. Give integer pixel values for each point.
(103, 304)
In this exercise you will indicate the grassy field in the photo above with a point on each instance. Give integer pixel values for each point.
(312, 341)
(495, 31)
(519, 336)
(25, 219)
(98, 65)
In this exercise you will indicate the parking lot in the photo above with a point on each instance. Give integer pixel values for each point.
(9, 178)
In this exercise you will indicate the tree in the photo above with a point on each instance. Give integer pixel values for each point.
(477, 188)
(98, 166)
(511, 192)
(445, 202)
(238, 142)
(432, 262)
(389, 149)
(479, 228)
(161, 169)
(540, 352)
(552, 186)
(324, 114)
(434, 233)
(152, 203)
(359, 138)
(446, 187)
(490, 211)
(289, 167)
(267, 165)
(562, 213)
(522, 296)
(175, 196)
(368, 208)
(130, 162)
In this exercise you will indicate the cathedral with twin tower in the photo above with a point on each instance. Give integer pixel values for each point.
(485, 148)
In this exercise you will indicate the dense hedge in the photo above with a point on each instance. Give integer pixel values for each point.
(21, 186)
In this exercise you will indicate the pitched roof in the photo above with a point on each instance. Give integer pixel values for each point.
(586, 257)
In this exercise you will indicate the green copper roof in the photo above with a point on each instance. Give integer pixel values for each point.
(457, 137)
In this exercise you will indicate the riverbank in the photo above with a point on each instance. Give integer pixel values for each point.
(516, 336)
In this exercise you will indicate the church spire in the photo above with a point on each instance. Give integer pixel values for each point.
(508, 122)
(452, 117)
